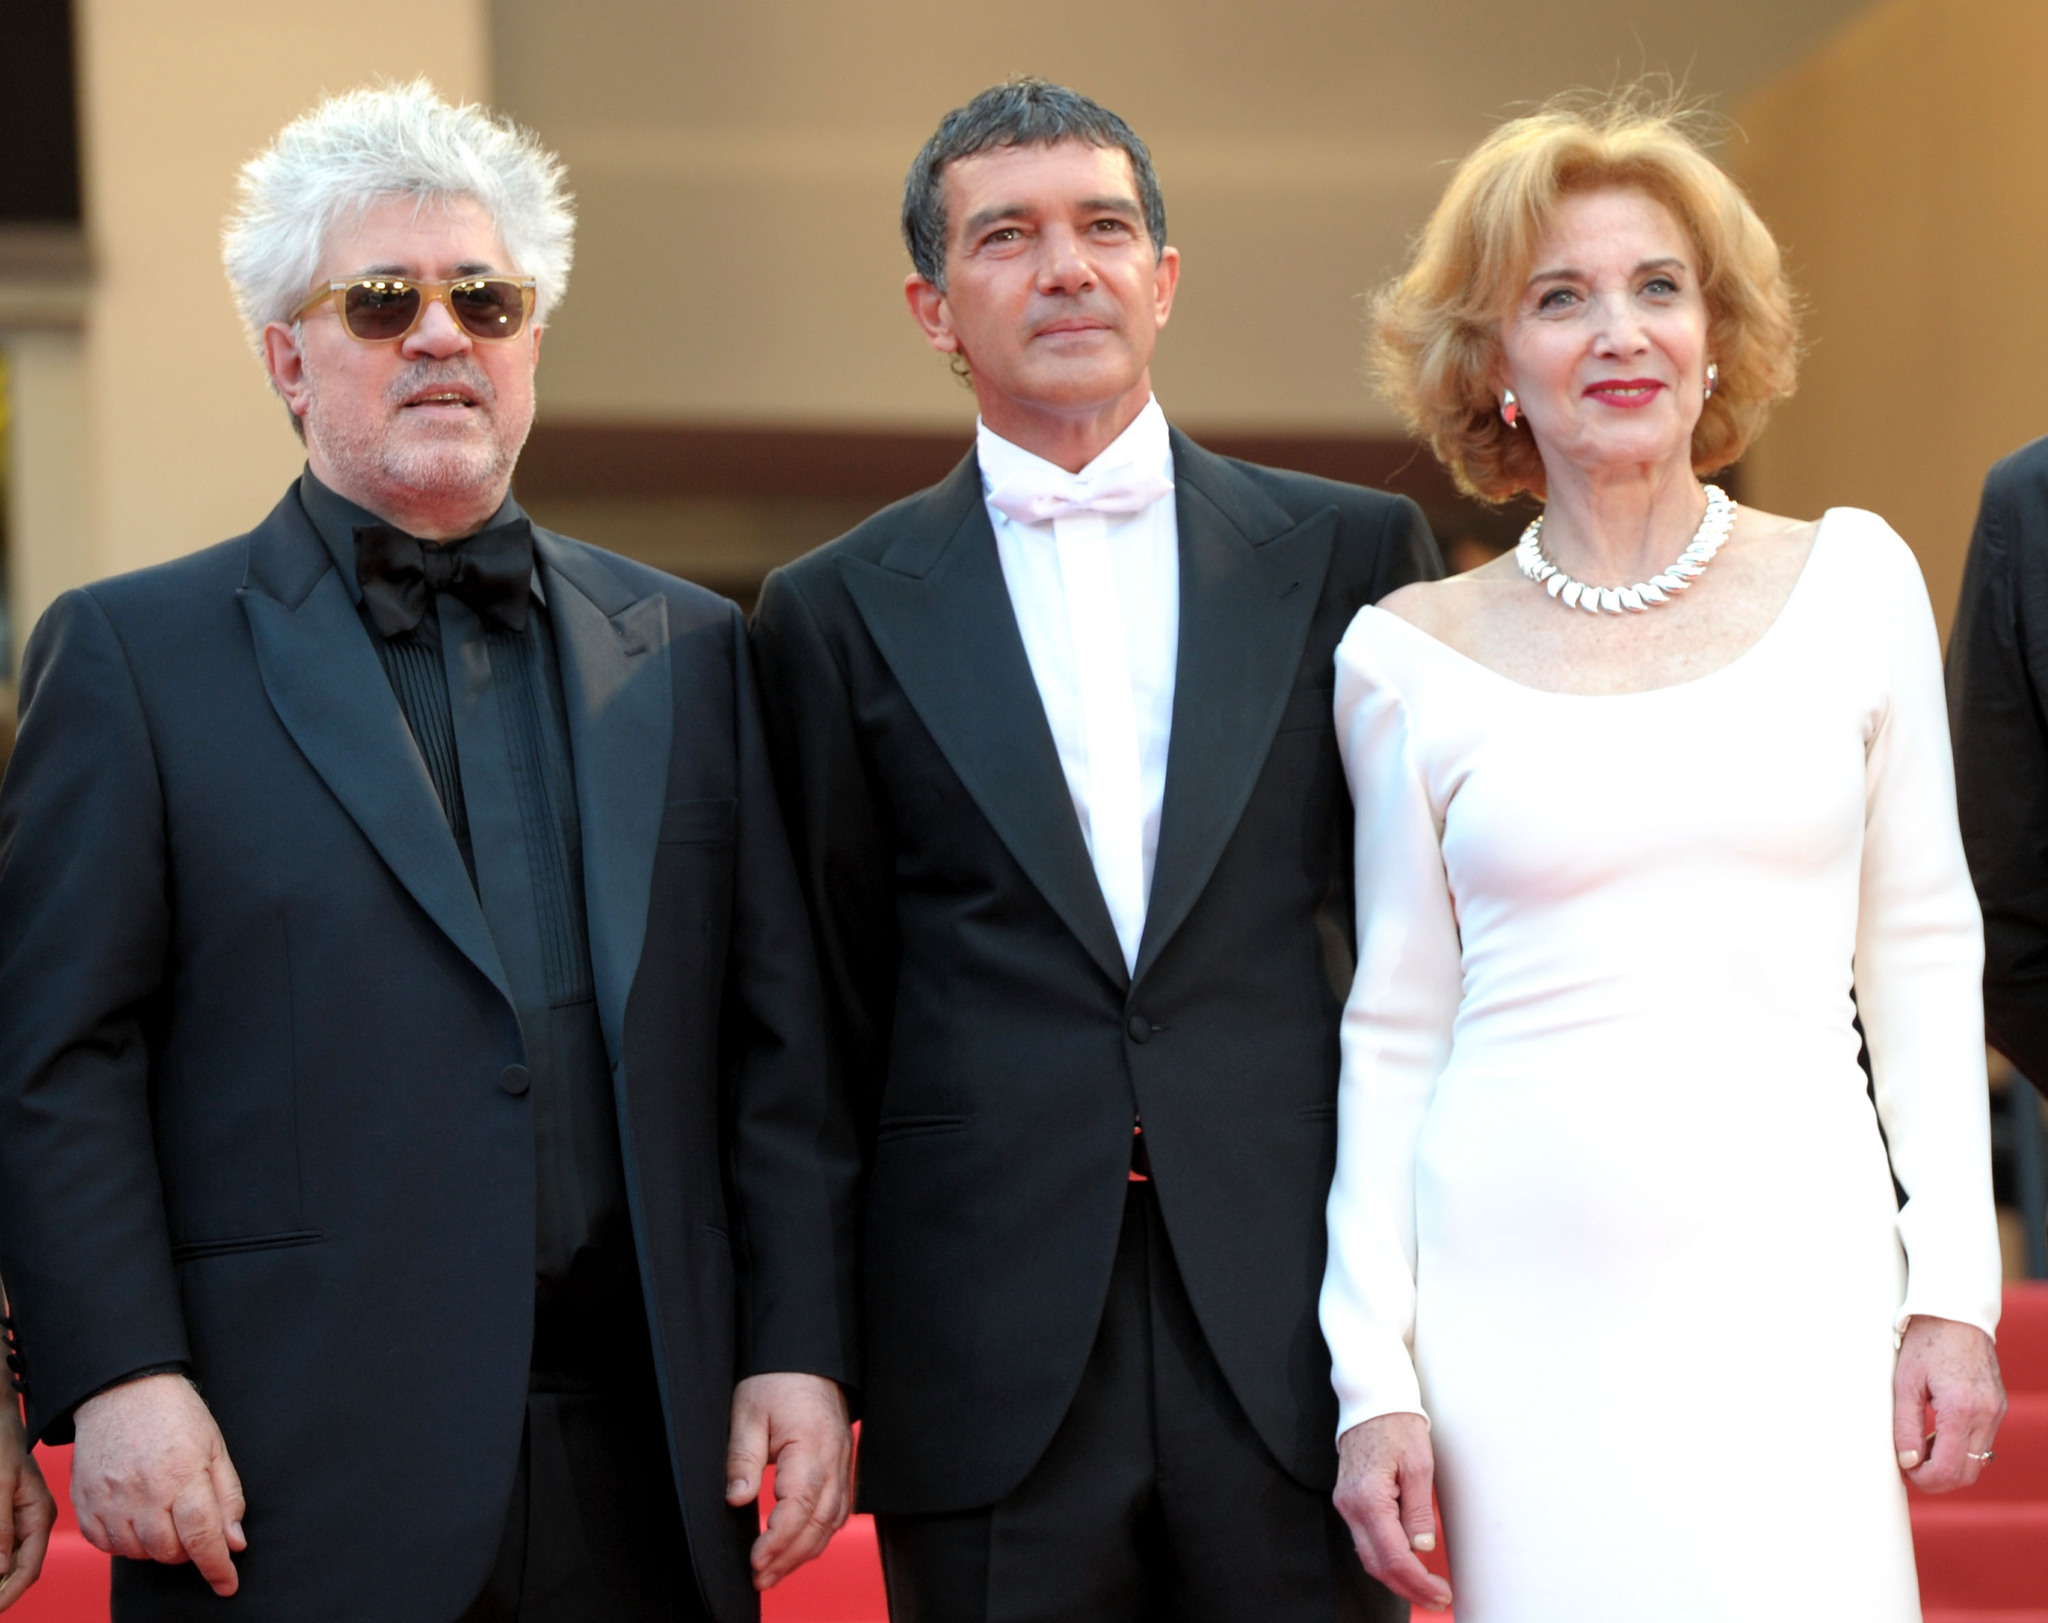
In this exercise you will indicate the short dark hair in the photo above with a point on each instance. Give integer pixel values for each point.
(1022, 112)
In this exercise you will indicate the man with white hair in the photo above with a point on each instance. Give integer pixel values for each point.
(411, 1109)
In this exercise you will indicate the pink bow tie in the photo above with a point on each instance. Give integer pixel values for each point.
(1040, 495)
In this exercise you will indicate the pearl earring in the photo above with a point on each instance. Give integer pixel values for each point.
(1510, 408)
(1713, 381)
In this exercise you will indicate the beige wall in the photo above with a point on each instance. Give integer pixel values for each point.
(744, 161)
(1904, 169)
(750, 157)
(186, 445)
(47, 486)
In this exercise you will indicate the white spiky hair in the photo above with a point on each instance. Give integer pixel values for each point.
(329, 166)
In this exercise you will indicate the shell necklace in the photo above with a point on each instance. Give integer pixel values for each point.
(1644, 595)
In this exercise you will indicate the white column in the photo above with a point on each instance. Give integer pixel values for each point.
(46, 490)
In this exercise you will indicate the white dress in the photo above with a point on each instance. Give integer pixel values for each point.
(1612, 1207)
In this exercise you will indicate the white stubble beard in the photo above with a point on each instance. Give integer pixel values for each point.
(379, 455)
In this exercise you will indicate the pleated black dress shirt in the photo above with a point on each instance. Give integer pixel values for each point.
(485, 705)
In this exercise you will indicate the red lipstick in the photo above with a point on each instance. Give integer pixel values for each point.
(1627, 393)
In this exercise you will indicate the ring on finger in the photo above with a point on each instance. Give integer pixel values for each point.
(1984, 1458)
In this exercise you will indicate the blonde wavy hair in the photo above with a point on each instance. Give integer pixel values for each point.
(1436, 327)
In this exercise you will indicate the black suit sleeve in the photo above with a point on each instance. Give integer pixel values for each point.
(1998, 658)
(795, 1170)
(838, 827)
(1407, 551)
(85, 919)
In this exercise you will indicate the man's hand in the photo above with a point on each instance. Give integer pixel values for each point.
(1384, 1473)
(27, 1512)
(797, 1423)
(150, 1479)
(1945, 1387)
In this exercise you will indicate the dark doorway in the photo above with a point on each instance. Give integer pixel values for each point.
(38, 114)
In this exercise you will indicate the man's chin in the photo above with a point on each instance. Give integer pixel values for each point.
(1087, 383)
(446, 463)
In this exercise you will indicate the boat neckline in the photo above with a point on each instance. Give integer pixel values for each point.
(1765, 637)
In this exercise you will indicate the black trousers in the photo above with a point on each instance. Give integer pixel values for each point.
(593, 1533)
(1155, 1502)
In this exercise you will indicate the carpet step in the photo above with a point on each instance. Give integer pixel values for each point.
(2023, 1337)
(1981, 1554)
(2029, 1614)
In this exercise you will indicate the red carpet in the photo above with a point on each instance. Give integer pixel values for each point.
(1983, 1554)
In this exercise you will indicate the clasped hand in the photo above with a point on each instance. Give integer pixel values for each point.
(1947, 1401)
(796, 1423)
(1386, 1471)
(150, 1479)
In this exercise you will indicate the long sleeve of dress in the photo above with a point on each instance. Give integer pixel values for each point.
(1396, 1039)
(1919, 968)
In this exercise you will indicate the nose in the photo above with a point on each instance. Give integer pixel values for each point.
(1065, 267)
(1620, 328)
(439, 334)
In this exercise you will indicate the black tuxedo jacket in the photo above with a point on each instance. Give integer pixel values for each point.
(1998, 718)
(256, 1104)
(991, 1045)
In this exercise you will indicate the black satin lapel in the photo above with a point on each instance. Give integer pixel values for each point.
(951, 637)
(329, 689)
(1245, 609)
(617, 688)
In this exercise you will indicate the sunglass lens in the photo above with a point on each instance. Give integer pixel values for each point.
(488, 309)
(378, 310)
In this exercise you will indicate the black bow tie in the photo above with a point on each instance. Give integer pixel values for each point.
(490, 571)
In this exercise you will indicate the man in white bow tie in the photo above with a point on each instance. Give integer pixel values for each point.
(1055, 745)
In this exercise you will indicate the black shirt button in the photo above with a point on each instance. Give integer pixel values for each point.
(1140, 1029)
(516, 1080)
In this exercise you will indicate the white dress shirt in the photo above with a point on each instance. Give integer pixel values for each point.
(1096, 592)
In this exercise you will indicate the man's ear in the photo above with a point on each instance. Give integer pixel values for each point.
(284, 358)
(1165, 278)
(928, 308)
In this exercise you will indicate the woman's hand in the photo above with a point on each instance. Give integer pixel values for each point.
(1945, 1388)
(27, 1512)
(1384, 1472)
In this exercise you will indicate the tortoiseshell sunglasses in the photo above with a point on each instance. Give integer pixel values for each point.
(377, 309)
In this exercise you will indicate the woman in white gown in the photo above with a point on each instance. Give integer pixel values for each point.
(1616, 1260)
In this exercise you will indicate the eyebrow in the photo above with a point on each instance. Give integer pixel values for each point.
(1123, 207)
(1566, 273)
